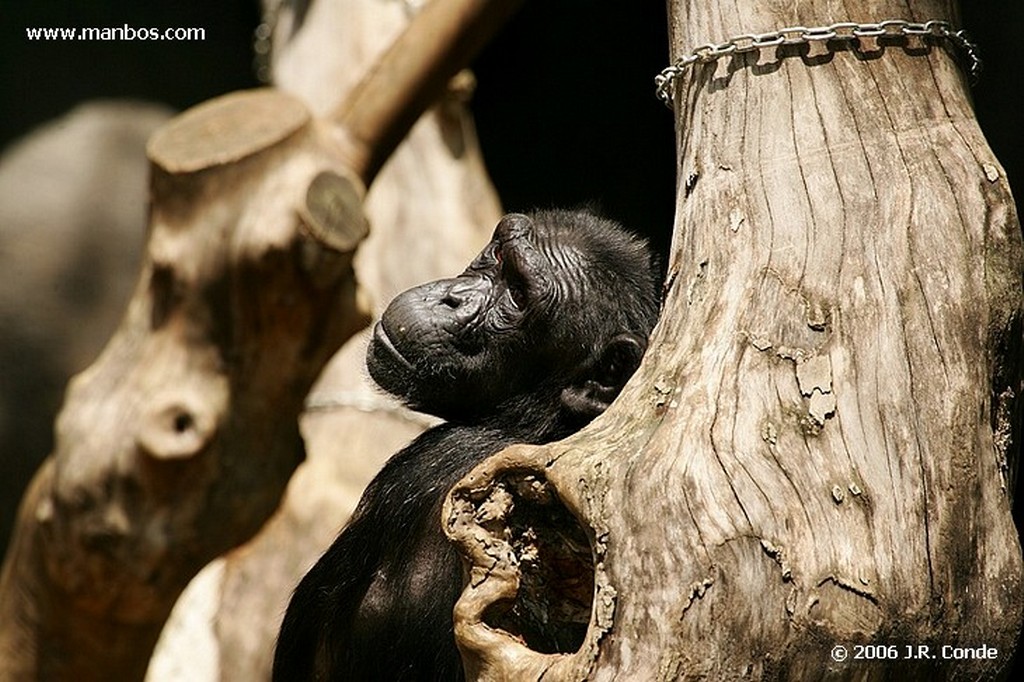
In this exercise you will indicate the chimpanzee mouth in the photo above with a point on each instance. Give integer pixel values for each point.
(382, 340)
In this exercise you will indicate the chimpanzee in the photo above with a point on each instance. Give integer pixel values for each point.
(527, 345)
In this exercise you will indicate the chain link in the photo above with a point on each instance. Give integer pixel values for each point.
(801, 35)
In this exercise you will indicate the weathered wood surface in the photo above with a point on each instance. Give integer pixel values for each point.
(431, 208)
(815, 451)
(179, 440)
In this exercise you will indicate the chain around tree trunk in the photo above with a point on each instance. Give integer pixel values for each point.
(801, 35)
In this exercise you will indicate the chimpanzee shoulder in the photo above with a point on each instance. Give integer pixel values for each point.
(532, 341)
(361, 598)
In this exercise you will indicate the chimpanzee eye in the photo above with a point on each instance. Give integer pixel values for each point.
(516, 285)
(517, 293)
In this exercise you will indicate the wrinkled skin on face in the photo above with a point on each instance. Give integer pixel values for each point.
(514, 319)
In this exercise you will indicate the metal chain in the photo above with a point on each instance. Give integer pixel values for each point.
(801, 35)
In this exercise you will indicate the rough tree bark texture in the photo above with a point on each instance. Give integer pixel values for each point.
(815, 451)
(431, 209)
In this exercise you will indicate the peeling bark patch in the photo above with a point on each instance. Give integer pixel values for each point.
(736, 218)
(551, 610)
(821, 406)
(776, 554)
(814, 373)
(663, 391)
(814, 377)
(817, 316)
(697, 591)
(991, 172)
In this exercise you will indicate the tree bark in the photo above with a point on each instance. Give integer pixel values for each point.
(817, 450)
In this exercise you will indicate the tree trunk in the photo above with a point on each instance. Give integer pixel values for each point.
(431, 210)
(177, 443)
(817, 449)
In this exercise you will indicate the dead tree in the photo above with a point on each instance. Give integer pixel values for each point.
(817, 449)
(177, 443)
(180, 438)
(431, 210)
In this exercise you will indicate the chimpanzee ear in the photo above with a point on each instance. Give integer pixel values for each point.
(595, 390)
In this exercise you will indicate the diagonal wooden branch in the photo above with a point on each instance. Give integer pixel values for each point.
(441, 40)
(177, 443)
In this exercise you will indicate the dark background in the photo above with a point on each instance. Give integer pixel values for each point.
(565, 102)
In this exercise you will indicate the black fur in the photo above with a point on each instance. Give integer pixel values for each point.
(378, 604)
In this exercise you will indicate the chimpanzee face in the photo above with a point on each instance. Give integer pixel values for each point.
(459, 347)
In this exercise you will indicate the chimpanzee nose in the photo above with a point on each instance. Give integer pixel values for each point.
(452, 299)
(461, 304)
(464, 296)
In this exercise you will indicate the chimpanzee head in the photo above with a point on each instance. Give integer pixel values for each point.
(557, 309)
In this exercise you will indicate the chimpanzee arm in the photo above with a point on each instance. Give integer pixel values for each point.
(329, 593)
(390, 578)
